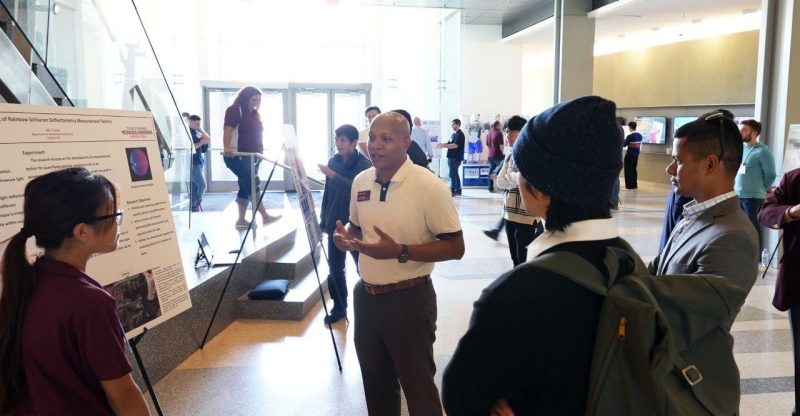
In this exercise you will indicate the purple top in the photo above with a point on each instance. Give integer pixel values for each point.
(251, 130)
(71, 339)
(494, 141)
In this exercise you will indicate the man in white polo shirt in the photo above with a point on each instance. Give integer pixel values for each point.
(402, 220)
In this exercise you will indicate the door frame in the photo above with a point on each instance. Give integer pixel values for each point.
(290, 91)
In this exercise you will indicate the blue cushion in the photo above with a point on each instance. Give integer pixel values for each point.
(270, 289)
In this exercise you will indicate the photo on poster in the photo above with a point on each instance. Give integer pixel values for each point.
(136, 299)
(139, 164)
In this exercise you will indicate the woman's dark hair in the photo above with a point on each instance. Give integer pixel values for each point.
(560, 215)
(243, 100)
(54, 204)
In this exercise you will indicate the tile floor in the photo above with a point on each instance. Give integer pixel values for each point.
(289, 368)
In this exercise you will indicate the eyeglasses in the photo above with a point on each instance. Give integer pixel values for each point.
(721, 118)
(117, 215)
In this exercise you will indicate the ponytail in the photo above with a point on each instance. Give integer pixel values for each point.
(19, 282)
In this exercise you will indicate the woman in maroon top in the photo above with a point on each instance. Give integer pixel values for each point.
(495, 142)
(62, 349)
(243, 132)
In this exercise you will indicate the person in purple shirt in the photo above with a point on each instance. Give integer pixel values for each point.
(62, 349)
(243, 133)
(633, 142)
(494, 143)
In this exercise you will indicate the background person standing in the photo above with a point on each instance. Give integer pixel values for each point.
(243, 123)
(633, 142)
(494, 144)
(782, 210)
(200, 139)
(363, 136)
(755, 175)
(455, 155)
(421, 137)
(345, 165)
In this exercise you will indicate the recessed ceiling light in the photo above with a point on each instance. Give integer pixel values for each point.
(696, 21)
(655, 29)
(621, 35)
(748, 11)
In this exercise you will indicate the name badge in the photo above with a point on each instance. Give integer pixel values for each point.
(742, 170)
(362, 196)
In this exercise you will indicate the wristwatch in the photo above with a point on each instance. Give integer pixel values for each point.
(403, 257)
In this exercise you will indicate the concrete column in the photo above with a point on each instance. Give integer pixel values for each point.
(777, 101)
(574, 49)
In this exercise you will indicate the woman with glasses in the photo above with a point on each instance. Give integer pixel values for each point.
(62, 349)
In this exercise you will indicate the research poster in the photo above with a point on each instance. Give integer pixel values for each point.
(301, 185)
(791, 155)
(145, 273)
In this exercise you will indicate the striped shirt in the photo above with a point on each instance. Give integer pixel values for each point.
(513, 210)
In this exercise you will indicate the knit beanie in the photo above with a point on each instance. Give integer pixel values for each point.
(572, 151)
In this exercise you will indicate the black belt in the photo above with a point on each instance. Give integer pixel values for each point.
(395, 287)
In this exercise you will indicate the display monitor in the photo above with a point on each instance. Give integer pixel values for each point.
(652, 128)
(679, 121)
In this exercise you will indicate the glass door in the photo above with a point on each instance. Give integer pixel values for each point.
(348, 108)
(314, 131)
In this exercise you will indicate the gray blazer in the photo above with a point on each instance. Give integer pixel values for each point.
(721, 241)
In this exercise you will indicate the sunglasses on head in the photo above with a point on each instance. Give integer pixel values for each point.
(711, 118)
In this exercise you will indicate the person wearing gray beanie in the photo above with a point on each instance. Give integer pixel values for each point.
(572, 151)
(568, 157)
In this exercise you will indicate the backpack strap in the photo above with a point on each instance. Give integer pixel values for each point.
(575, 268)
(689, 372)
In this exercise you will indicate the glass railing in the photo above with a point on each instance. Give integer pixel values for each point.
(99, 54)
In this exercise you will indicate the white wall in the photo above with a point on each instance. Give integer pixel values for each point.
(537, 78)
(491, 79)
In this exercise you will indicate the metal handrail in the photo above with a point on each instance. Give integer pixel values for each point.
(253, 188)
(36, 52)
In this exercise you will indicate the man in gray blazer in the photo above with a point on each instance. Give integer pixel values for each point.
(714, 236)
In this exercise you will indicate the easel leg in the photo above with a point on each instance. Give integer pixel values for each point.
(238, 254)
(133, 343)
(324, 306)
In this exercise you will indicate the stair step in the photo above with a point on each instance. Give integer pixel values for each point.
(303, 294)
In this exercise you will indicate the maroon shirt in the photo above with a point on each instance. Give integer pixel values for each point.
(71, 339)
(786, 195)
(251, 131)
(494, 141)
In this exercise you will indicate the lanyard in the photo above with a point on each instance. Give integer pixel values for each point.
(748, 155)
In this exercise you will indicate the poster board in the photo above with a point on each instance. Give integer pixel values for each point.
(301, 185)
(434, 129)
(145, 274)
(791, 154)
